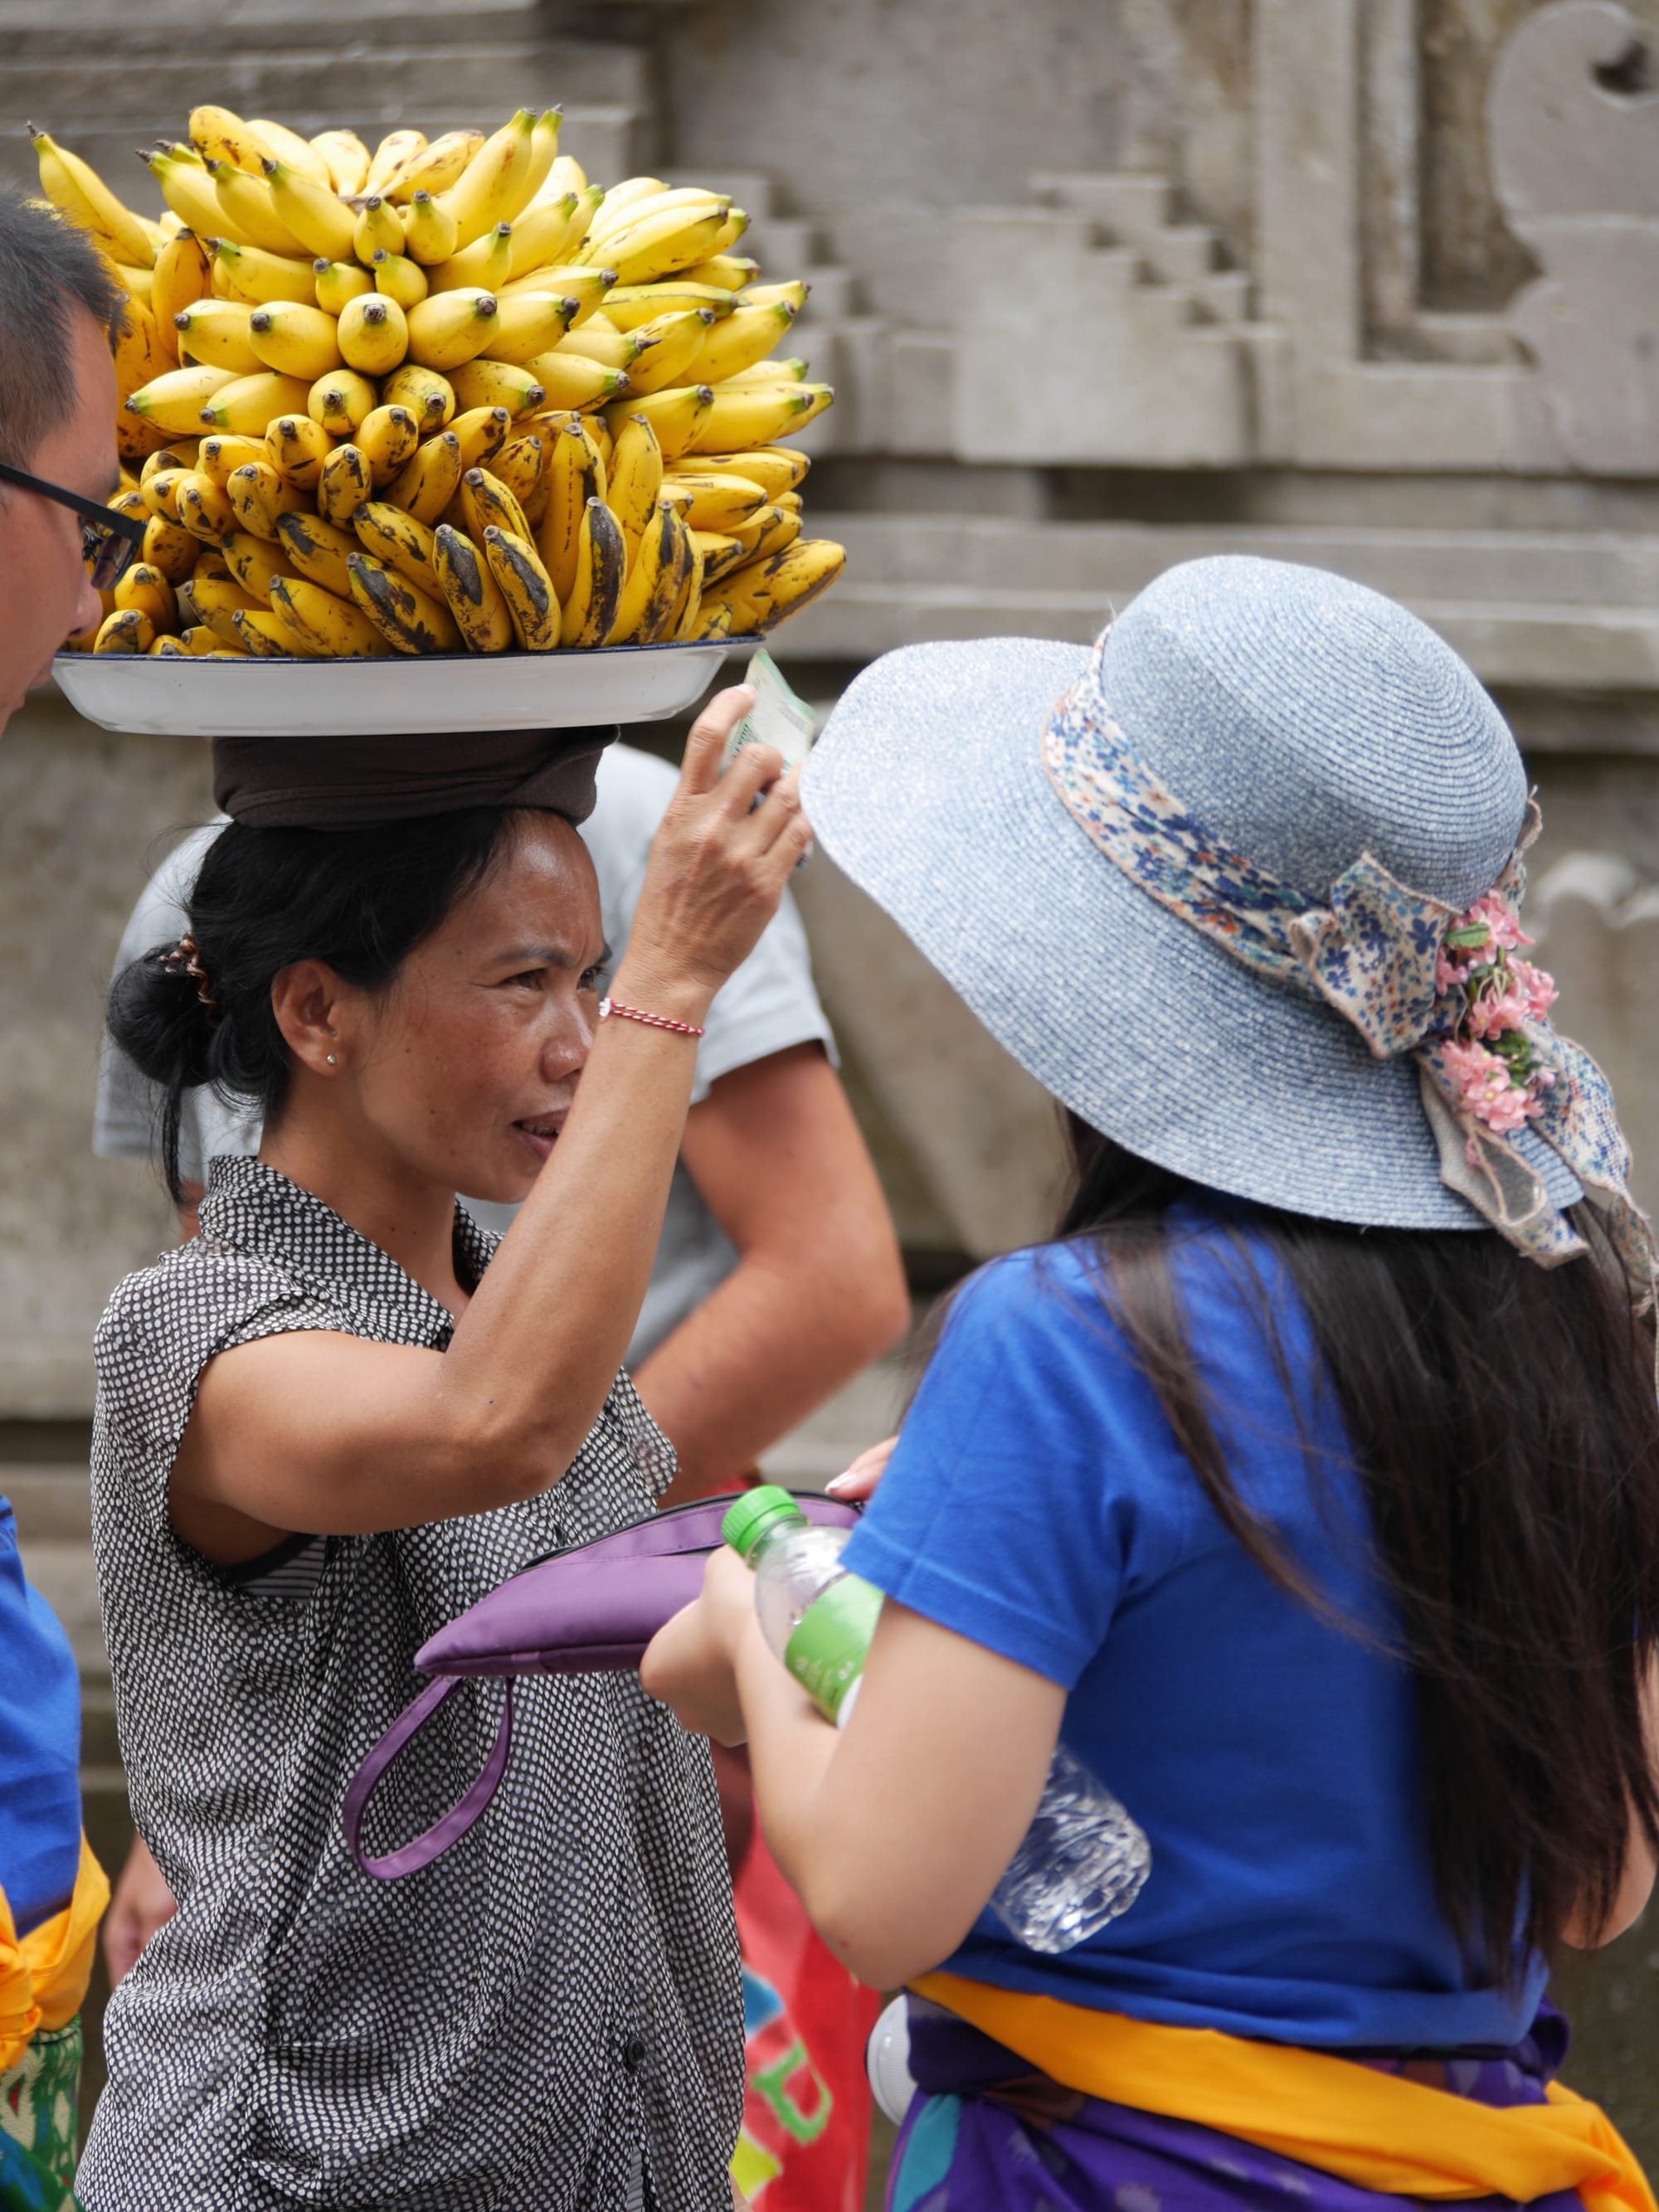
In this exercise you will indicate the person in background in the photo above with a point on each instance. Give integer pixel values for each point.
(777, 1278)
(59, 308)
(1304, 1487)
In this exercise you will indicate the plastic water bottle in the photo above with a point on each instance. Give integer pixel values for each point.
(1082, 1862)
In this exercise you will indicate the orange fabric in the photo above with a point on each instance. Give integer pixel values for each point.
(1377, 2130)
(44, 1976)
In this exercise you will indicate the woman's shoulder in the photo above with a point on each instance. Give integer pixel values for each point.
(200, 1293)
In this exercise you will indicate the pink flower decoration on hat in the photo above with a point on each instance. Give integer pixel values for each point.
(1496, 1067)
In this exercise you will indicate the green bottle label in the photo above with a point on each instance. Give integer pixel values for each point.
(825, 1652)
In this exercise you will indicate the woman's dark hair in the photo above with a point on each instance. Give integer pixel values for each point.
(361, 900)
(1505, 1424)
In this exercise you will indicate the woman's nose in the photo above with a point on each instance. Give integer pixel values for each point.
(569, 1042)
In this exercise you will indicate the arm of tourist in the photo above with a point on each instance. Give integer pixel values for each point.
(818, 1291)
(894, 1831)
(141, 1904)
(1588, 1929)
(333, 1435)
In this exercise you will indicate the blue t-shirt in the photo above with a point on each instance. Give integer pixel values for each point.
(1038, 1503)
(39, 1747)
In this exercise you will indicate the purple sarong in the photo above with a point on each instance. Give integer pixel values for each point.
(987, 2134)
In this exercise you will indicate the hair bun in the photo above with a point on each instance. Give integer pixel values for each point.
(159, 1018)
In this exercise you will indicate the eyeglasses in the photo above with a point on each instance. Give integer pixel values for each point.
(110, 543)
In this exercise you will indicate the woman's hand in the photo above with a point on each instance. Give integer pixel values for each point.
(690, 1664)
(863, 1478)
(142, 1904)
(719, 864)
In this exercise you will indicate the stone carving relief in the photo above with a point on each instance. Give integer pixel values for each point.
(1574, 139)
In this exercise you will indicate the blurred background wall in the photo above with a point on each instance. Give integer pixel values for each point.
(1101, 284)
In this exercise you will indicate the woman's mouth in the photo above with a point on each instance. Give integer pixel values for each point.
(540, 1131)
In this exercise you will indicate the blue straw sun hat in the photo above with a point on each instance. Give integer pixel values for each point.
(1199, 881)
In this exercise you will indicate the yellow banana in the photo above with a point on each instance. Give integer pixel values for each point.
(204, 511)
(215, 601)
(394, 150)
(338, 282)
(451, 328)
(341, 403)
(791, 369)
(633, 479)
(346, 159)
(167, 648)
(712, 624)
(573, 478)
(543, 152)
(539, 235)
(436, 167)
(615, 238)
(493, 187)
(142, 352)
(530, 324)
(144, 587)
(295, 341)
(485, 382)
(526, 586)
(258, 278)
(377, 229)
(590, 607)
(789, 500)
(688, 610)
(249, 212)
(521, 466)
(127, 630)
(218, 135)
(260, 634)
(314, 213)
(258, 497)
(159, 489)
(776, 469)
(587, 287)
(429, 231)
(319, 550)
(296, 447)
(589, 200)
(631, 193)
(736, 223)
(409, 619)
(753, 415)
(396, 540)
(172, 547)
(732, 271)
(600, 341)
(566, 175)
(662, 245)
(254, 563)
(474, 597)
(654, 558)
(173, 401)
(630, 305)
(792, 295)
(319, 623)
(297, 152)
(767, 592)
(386, 440)
(188, 191)
(485, 263)
(721, 501)
(79, 193)
(481, 432)
(597, 431)
(484, 499)
(199, 641)
(343, 485)
(663, 601)
(676, 343)
(400, 279)
(424, 486)
(183, 276)
(774, 528)
(721, 553)
(676, 416)
(570, 381)
(744, 338)
(248, 404)
(373, 334)
(429, 397)
(215, 334)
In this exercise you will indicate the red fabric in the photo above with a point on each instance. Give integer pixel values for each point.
(805, 2138)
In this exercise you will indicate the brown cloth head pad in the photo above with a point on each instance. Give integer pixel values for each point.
(346, 782)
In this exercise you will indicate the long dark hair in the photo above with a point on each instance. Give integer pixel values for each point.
(1505, 1426)
(361, 900)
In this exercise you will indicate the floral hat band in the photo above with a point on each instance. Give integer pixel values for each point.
(1414, 977)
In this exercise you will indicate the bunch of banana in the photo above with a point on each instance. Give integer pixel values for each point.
(442, 397)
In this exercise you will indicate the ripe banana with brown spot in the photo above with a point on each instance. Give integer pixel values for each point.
(411, 620)
(258, 497)
(331, 627)
(721, 501)
(423, 487)
(430, 398)
(653, 556)
(473, 596)
(296, 447)
(319, 550)
(254, 563)
(633, 479)
(596, 591)
(398, 541)
(387, 439)
(572, 479)
(485, 500)
(204, 511)
(676, 416)
(144, 587)
(225, 451)
(342, 402)
(485, 382)
(172, 547)
(527, 587)
(343, 485)
(259, 632)
(481, 432)
(215, 601)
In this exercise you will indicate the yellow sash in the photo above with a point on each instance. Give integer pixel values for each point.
(1377, 2130)
(43, 1978)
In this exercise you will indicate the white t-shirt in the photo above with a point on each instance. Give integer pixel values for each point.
(769, 1005)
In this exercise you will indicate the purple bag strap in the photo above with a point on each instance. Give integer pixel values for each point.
(411, 1857)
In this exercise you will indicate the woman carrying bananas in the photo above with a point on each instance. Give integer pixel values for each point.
(341, 1413)
(1305, 1487)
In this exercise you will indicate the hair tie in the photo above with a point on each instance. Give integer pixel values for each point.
(185, 959)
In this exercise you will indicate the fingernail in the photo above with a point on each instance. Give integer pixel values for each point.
(838, 1482)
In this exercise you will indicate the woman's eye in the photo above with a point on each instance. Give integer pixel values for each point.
(593, 979)
(528, 979)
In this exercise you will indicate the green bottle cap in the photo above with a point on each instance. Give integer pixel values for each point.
(755, 1514)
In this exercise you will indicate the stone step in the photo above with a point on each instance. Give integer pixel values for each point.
(748, 188)
(1223, 295)
(1183, 255)
(52, 1504)
(784, 245)
(1132, 208)
(835, 294)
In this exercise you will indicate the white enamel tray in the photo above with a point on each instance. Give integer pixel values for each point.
(201, 698)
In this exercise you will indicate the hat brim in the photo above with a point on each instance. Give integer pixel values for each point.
(929, 789)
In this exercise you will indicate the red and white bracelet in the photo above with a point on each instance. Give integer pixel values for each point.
(609, 1006)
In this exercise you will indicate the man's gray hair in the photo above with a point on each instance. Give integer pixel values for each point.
(48, 269)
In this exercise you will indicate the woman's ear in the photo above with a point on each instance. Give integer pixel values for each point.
(307, 1001)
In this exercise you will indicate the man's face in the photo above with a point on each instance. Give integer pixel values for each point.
(45, 594)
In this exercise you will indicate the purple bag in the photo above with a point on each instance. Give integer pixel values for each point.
(590, 1609)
